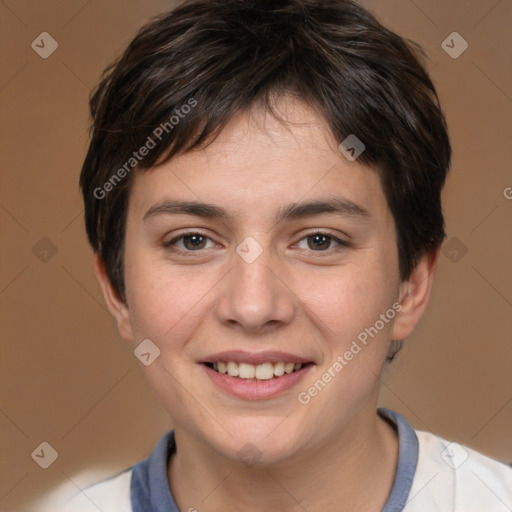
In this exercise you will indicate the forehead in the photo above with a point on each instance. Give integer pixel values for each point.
(261, 164)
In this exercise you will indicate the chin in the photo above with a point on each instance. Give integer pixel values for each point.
(261, 441)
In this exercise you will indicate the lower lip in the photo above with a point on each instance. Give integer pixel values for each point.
(252, 389)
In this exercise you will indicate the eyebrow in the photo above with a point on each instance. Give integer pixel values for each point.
(293, 211)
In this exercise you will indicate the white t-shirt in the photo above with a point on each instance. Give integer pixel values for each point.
(433, 475)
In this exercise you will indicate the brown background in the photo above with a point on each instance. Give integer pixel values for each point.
(68, 379)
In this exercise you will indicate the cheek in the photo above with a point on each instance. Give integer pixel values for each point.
(165, 302)
(348, 300)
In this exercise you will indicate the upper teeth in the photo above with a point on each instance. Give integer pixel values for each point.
(263, 371)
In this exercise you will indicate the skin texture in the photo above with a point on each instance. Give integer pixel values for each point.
(335, 451)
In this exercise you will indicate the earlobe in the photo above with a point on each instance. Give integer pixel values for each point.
(415, 294)
(115, 304)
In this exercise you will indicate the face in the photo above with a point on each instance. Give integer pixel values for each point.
(267, 247)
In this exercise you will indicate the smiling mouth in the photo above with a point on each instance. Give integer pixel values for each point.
(264, 371)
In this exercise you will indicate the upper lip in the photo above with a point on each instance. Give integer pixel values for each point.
(255, 358)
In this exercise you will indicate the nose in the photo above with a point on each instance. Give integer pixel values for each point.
(255, 296)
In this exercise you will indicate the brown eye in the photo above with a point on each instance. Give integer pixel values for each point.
(194, 242)
(188, 242)
(319, 241)
(322, 242)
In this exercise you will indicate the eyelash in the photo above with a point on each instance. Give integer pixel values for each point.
(169, 245)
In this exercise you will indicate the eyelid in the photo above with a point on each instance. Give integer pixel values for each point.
(328, 234)
(318, 231)
(184, 234)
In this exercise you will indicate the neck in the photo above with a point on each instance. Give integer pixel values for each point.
(353, 470)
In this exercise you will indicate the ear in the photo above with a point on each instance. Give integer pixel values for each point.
(414, 295)
(116, 305)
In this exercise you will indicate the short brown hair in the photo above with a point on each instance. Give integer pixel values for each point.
(224, 57)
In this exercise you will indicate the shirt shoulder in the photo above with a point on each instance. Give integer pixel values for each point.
(110, 495)
(454, 478)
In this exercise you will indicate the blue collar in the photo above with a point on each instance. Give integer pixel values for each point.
(407, 461)
(149, 488)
